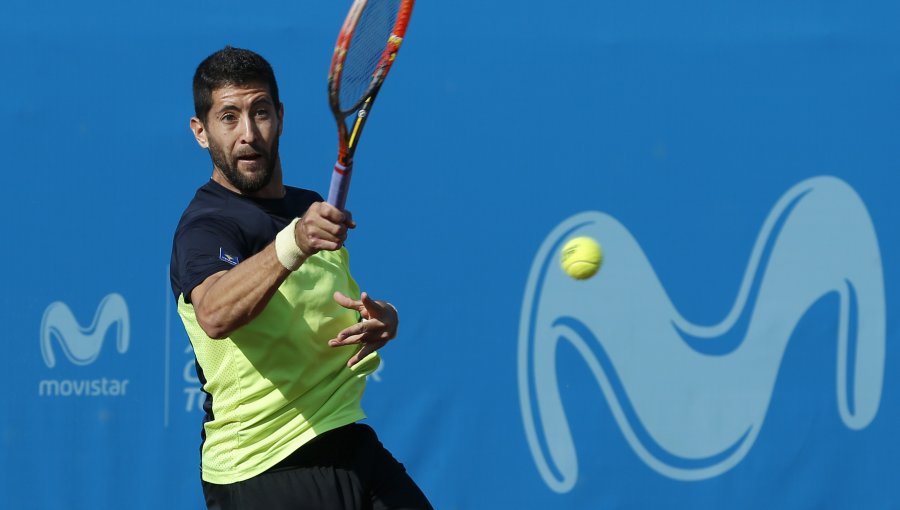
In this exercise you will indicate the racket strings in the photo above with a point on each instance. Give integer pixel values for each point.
(366, 49)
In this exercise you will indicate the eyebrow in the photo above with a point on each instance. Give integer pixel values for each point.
(228, 108)
(265, 99)
(235, 108)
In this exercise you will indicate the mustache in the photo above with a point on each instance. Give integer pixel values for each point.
(251, 152)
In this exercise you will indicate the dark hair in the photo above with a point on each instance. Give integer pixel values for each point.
(230, 66)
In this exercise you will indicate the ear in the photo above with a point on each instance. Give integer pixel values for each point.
(280, 118)
(199, 132)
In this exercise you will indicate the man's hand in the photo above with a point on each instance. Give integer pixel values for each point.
(379, 325)
(323, 227)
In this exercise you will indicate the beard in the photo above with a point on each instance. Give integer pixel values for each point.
(244, 182)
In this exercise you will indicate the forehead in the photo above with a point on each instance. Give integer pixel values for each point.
(237, 95)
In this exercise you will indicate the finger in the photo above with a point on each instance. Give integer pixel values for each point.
(333, 214)
(314, 234)
(348, 220)
(368, 332)
(348, 340)
(356, 358)
(360, 354)
(373, 307)
(347, 302)
(324, 228)
(326, 217)
(334, 228)
(346, 336)
(367, 349)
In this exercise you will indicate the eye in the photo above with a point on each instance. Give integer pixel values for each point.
(262, 113)
(229, 118)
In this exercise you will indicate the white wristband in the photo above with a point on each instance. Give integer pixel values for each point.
(289, 254)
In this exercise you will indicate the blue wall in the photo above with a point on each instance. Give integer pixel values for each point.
(737, 161)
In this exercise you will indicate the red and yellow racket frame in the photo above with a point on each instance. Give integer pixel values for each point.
(348, 139)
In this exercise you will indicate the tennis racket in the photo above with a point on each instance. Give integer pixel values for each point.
(366, 48)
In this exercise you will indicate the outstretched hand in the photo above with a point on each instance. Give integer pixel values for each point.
(378, 327)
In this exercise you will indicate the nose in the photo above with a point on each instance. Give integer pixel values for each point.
(249, 131)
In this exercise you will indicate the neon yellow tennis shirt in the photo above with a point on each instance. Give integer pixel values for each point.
(273, 384)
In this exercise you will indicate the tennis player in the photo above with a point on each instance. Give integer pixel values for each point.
(282, 336)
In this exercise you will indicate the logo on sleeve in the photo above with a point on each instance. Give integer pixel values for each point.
(231, 259)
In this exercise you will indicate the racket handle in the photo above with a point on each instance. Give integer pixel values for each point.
(340, 185)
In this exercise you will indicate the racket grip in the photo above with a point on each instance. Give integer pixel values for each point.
(340, 185)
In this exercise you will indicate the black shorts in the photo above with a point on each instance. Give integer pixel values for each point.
(345, 468)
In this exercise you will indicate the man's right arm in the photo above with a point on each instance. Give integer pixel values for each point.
(227, 300)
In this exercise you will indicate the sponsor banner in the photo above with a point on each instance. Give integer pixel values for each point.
(737, 163)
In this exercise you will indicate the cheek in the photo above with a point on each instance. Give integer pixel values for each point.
(217, 142)
(216, 148)
(272, 130)
(269, 137)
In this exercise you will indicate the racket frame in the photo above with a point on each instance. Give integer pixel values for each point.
(348, 138)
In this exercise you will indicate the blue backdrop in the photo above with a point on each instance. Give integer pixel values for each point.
(736, 160)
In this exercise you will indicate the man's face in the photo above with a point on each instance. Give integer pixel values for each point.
(241, 132)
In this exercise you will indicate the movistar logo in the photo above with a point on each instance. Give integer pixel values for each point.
(670, 383)
(82, 345)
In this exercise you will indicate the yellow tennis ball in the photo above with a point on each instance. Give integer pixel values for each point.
(581, 257)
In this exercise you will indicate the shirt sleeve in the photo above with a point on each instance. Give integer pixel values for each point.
(203, 247)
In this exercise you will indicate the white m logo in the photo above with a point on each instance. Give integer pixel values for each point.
(690, 399)
(82, 345)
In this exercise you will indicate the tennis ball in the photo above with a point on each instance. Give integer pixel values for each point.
(581, 257)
